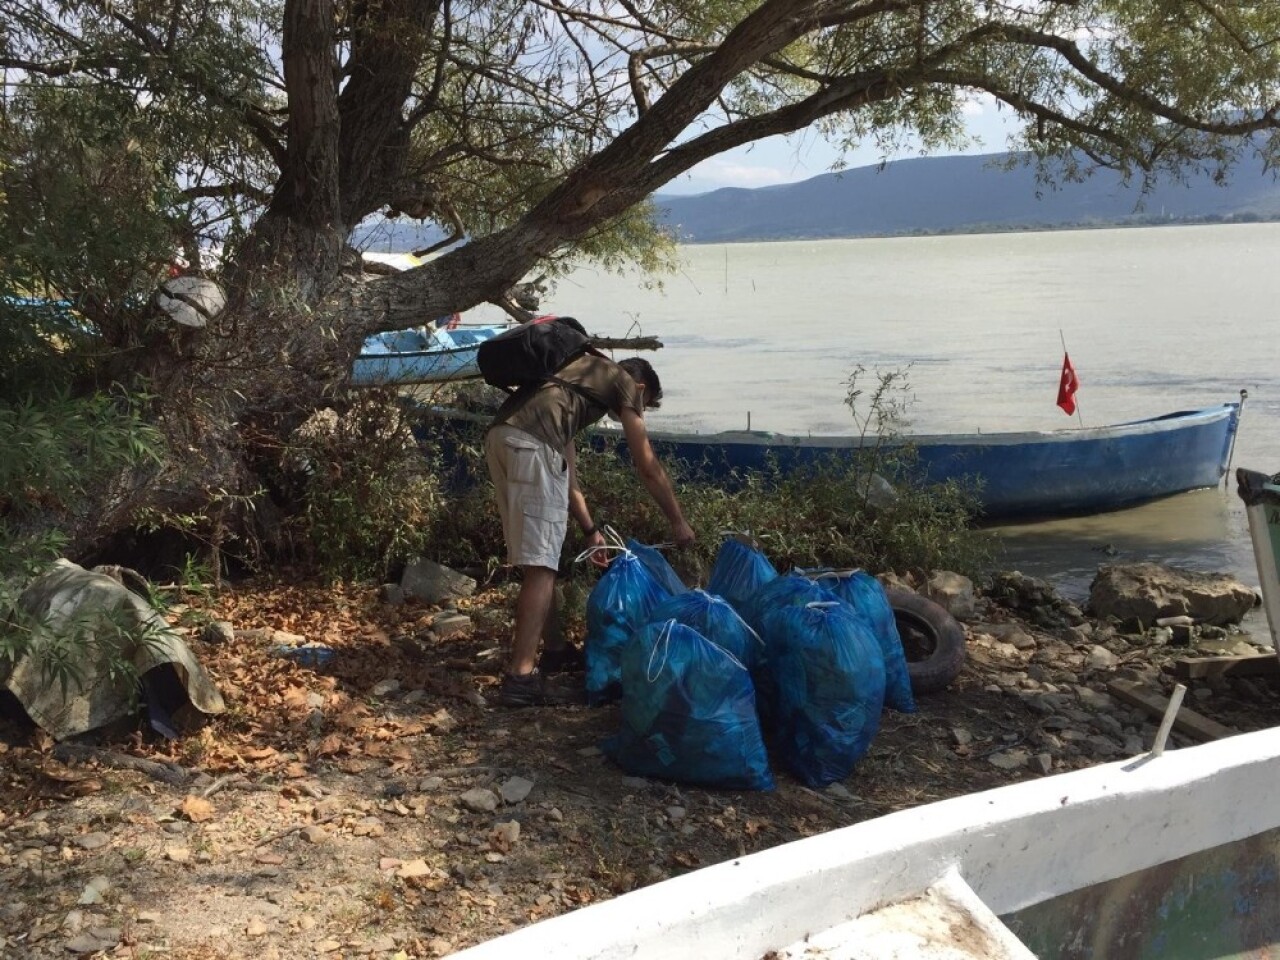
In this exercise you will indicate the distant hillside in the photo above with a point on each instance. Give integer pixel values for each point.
(963, 194)
(930, 195)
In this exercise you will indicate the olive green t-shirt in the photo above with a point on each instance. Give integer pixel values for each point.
(554, 413)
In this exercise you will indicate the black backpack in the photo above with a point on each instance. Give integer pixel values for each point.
(530, 354)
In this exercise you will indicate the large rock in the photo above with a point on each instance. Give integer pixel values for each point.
(1141, 593)
(953, 592)
(429, 582)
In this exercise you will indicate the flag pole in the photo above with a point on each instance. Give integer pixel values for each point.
(1065, 353)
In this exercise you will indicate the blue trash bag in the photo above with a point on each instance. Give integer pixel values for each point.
(714, 618)
(688, 713)
(829, 674)
(789, 590)
(652, 558)
(620, 603)
(864, 593)
(739, 572)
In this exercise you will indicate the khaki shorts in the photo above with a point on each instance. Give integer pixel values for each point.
(531, 480)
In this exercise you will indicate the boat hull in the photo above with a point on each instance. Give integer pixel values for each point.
(1013, 474)
(420, 355)
(1261, 495)
(1141, 823)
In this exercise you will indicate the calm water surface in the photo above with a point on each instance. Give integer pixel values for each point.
(1156, 320)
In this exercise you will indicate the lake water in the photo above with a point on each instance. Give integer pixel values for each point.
(1155, 319)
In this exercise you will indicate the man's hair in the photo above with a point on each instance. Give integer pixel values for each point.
(641, 370)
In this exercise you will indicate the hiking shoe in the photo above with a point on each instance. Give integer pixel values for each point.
(566, 659)
(537, 690)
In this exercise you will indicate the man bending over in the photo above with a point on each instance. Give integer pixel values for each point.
(530, 450)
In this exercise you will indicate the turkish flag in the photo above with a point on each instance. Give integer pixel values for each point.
(1068, 386)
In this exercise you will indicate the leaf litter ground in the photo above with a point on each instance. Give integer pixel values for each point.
(358, 810)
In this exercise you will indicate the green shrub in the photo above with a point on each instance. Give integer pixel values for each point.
(369, 497)
(821, 516)
(828, 515)
(56, 455)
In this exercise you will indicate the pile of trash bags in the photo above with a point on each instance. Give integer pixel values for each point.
(803, 663)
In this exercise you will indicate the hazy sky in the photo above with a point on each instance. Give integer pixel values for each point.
(789, 160)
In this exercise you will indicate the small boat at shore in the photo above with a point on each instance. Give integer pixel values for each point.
(1013, 475)
(1028, 474)
(1173, 854)
(421, 355)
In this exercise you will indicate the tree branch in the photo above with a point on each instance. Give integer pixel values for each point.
(1127, 93)
(388, 42)
(227, 191)
(308, 187)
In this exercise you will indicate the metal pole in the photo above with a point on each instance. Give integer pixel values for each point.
(1065, 355)
(1231, 450)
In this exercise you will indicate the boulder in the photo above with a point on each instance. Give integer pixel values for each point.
(1019, 592)
(952, 592)
(1141, 593)
(429, 582)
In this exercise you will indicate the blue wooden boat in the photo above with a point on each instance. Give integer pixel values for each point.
(420, 355)
(1031, 474)
(1049, 473)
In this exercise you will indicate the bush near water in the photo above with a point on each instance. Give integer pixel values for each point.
(354, 496)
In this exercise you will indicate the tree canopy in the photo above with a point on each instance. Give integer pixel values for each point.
(529, 127)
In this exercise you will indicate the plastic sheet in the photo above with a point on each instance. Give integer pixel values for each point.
(829, 677)
(688, 713)
(864, 593)
(620, 603)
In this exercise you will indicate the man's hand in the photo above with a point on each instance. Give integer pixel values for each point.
(598, 557)
(682, 534)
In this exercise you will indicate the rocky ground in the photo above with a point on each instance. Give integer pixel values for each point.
(378, 807)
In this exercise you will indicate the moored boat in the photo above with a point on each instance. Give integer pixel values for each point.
(1047, 473)
(1156, 856)
(421, 355)
(1027, 474)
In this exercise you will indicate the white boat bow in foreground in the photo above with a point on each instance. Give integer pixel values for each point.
(1122, 860)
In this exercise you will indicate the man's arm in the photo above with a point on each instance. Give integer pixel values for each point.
(577, 502)
(579, 511)
(651, 474)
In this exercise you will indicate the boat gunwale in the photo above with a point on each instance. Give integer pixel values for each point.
(1168, 423)
(1016, 846)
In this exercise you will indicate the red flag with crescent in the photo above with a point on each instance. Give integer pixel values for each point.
(1068, 386)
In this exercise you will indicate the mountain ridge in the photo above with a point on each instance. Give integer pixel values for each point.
(959, 194)
(925, 195)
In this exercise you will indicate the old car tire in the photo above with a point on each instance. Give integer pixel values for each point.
(931, 638)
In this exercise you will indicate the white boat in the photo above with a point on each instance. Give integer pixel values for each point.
(1160, 856)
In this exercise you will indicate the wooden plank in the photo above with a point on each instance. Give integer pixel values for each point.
(1258, 665)
(1187, 721)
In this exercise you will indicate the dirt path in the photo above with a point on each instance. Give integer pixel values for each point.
(379, 808)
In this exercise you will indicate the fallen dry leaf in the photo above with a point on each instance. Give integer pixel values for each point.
(196, 809)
